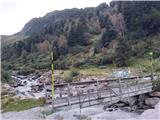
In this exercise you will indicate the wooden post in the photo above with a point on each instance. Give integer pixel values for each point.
(46, 95)
(60, 93)
(127, 88)
(68, 93)
(79, 98)
(98, 91)
(110, 94)
(120, 88)
(138, 85)
(89, 96)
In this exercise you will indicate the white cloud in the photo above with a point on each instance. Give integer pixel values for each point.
(15, 13)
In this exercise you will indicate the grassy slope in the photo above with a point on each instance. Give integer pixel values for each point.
(10, 103)
(145, 65)
(137, 65)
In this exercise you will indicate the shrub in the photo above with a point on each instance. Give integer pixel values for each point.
(42, 101)
(68, 79)
(74, 73)
(5, 76)
(26, 71)
(7, 101)
(156, 84)
(106, 59)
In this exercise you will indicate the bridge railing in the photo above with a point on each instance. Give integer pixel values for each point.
(89, 91)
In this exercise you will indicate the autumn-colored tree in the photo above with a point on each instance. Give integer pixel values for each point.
(44, 46)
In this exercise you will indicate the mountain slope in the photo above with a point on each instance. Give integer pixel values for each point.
(91, 36)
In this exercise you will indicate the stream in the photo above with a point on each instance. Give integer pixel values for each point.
(24, 90)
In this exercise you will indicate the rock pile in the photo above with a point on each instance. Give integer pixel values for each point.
(7, 89)
(138, 103)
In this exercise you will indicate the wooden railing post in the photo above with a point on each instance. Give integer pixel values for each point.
(46, 95)
(137, 83)
(68, 93)
(98, 91)
(60, 92)
(89, 96)
(128, 89)
(110, 94)
(120, 88)
(79, 98)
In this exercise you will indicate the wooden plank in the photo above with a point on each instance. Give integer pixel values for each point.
(100, 81)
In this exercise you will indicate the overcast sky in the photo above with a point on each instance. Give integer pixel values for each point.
(15, 13)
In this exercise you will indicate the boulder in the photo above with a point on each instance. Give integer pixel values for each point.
(21, 77)
(155, 94)
(12, 91)
(4, 92)
(7, 89)
(134, 108)
(21, 84)
(34, 88)
(5, 86)
(151, 114)
(145, 107)
(120, 104)
(130, 101)
(47, 110)
(152, 101)
(13, 73)
(111, 109)
(126, 109)
(129, 109)
(15, 84)
(141, 100)
(36, 76)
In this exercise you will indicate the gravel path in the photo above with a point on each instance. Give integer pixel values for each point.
(95, 113)
(92, 113)
(31, 114)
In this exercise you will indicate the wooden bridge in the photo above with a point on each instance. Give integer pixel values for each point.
(89, 93)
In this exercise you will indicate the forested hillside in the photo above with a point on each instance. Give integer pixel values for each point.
(107, 34)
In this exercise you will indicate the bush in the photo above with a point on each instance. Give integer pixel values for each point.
(156, 84)
(5, 76)
(61, 64)
(26, 71)
(7, 101)
(42, 65)
(68, 79)
(106, 59)
(74, 73)
(42, 101)
(7, 66)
